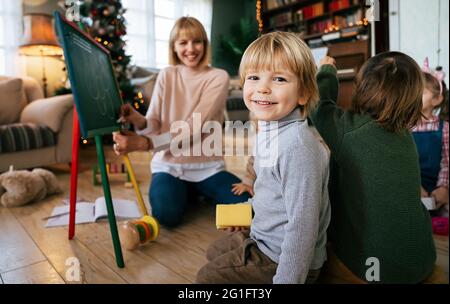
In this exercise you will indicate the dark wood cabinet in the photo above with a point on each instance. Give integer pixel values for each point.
(350, 56)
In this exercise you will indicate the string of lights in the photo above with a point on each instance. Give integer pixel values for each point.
(258, 16)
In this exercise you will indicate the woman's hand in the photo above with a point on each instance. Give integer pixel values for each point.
(129, 115)
(128, 141)
(240, 188)
(328, 60)
(440, 195)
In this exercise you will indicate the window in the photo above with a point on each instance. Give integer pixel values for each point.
(149, 23)
(10, 33)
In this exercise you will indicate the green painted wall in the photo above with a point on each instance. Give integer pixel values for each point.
(226, 14)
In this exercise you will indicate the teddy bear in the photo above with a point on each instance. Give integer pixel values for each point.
(18, 188)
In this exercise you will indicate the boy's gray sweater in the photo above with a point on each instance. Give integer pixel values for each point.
(291, 204)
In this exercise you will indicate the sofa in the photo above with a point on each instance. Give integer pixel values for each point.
(34, 131)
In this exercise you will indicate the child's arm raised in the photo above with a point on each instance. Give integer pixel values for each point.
(327, 116)
(327, 79)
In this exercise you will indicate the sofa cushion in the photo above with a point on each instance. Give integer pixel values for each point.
(32, 89)
(12, 100)
(48, 111)
(25, 136)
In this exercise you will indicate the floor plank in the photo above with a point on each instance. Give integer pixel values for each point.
(54, 243)
(183, 249)
(39, 273)
(441, 243)
(139, 267)
(181, 259)
(18, 249)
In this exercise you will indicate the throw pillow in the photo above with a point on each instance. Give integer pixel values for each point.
(11, 100)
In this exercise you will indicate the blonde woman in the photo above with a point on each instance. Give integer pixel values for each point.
(188, 87)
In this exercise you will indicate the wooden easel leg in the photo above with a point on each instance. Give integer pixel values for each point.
(135, 185)
(74, 173)
(109, 204)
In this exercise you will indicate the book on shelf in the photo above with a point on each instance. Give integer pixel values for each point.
(338, 5)
(314, 43)
(281, 19)
(273, 4)
(349, 19)
(312, 11)
(350, 31)
(320, 26)
(331, 36)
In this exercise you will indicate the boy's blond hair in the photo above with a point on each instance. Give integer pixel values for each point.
(192, 28)
(278, 51)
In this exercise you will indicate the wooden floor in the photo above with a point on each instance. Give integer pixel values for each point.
(31, 253)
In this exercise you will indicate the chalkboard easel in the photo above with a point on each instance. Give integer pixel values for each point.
(97, 103)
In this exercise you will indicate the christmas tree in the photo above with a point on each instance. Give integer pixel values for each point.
(104, 21)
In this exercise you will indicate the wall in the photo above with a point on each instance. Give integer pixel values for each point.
(227, 13)
(420, 28)
(33, 65)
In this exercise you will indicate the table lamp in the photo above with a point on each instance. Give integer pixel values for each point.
(39, 39)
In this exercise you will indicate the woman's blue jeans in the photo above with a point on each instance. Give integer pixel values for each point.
(170, 196)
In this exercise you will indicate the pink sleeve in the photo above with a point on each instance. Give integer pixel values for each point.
(443, 173)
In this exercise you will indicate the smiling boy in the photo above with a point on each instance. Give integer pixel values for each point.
(287, 238)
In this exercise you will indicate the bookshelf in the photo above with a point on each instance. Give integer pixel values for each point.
(339, 25)
(312, 18)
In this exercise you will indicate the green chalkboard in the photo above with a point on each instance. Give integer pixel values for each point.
(94, 86)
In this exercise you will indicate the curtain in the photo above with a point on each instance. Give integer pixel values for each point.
(10, 35)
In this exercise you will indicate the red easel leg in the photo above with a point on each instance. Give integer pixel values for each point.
(74, 173)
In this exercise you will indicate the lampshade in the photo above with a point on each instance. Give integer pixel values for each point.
(39, 37)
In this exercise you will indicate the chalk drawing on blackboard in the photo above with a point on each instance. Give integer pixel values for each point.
(98, 94)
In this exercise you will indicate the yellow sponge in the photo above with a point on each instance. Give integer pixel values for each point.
(233, 215)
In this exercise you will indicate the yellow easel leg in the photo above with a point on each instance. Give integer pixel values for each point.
(135, 185)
